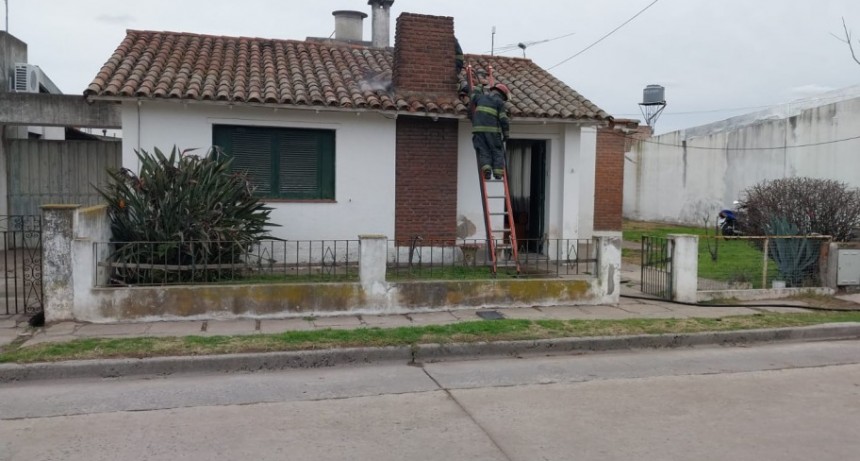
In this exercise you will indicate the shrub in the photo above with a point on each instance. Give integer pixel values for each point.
(820, 206)
(193, 209)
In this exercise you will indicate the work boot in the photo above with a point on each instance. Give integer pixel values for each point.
(487, 171)
(498, 173)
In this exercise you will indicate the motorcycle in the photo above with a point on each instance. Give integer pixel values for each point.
(727, 223)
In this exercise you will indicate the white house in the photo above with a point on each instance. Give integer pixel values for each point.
(345, 137)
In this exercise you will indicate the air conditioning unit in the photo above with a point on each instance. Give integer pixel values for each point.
(28, 78)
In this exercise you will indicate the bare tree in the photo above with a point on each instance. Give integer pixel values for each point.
(847, 40)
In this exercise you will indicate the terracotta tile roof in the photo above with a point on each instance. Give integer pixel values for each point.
(197, 67)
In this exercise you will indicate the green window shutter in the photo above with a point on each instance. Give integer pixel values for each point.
(252, 153)
(282, 162)
(306, 164)
(298, 168)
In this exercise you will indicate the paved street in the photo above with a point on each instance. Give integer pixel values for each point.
(787, 402)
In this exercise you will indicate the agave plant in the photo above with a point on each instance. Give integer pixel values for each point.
(189, 209)
(795, 258)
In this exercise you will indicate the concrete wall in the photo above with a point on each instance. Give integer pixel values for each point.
(12, 51)
(685, 176)
(71, 273)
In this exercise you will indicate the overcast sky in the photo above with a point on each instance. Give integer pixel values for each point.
(711, 56)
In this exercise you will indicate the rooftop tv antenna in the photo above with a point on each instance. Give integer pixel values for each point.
(653, 103)
(493, 42)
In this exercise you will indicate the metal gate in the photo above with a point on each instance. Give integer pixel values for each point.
(21, 264)
(657, 266)
(58, 172)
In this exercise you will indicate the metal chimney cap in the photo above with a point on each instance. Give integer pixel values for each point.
(349, 14)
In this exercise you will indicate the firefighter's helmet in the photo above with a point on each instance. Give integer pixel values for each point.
(502, 88)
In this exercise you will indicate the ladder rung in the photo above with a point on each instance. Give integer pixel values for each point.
(496, 196)
(503, 213)
(504, 246)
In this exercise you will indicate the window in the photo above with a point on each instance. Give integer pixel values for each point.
(285, 163)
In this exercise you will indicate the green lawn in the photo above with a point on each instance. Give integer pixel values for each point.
(467, 332)
(721, 260)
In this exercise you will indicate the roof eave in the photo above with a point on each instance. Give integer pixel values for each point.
(351, 110)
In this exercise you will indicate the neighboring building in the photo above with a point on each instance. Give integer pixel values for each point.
(344, 137)
(687, 176)
(44, 156)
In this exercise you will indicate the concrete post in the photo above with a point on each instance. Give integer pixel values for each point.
(92, 226)
(609, 269)
(372, 260)
(685, 267)
(57, 274)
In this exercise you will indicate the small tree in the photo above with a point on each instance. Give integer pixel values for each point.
(847, 40)
(191, 209)
(811, 206)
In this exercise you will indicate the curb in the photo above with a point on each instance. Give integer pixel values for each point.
(274, 361)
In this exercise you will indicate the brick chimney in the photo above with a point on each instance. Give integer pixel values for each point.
(424, 54)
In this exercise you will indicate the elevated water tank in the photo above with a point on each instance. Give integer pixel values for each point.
(653, 94)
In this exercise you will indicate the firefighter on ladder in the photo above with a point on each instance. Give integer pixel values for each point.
(490, 125)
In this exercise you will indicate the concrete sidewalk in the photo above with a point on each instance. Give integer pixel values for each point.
(15, 327)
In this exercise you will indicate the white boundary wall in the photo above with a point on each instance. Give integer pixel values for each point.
(687, 175)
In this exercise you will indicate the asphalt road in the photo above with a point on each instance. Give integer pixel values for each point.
(786, 402)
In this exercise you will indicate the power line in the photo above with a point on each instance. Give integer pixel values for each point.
(605, 36)
(723, 149)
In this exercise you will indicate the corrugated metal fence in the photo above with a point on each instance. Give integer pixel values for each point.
(58, 172)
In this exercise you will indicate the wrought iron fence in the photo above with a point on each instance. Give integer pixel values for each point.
(742, 263)
(470, 259)
(197, 262)
(21, 264)
(200, 262)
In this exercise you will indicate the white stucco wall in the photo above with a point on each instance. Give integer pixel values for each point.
(365, 166)
(677, 177)
(571, 154)
(364, 161)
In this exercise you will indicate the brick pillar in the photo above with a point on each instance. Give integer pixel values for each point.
(424, 55)
(609, 180)
(426, 179)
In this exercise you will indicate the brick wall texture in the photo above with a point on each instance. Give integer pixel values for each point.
(424, 54)
(425, 179)
(609, 179)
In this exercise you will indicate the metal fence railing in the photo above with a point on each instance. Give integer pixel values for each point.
(168, 263)
(197, 262)
(470, 259)
(739, 263)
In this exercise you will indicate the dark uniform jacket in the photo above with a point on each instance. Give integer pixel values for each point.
(490, 115)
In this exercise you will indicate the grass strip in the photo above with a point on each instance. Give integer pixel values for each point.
(466, 332)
